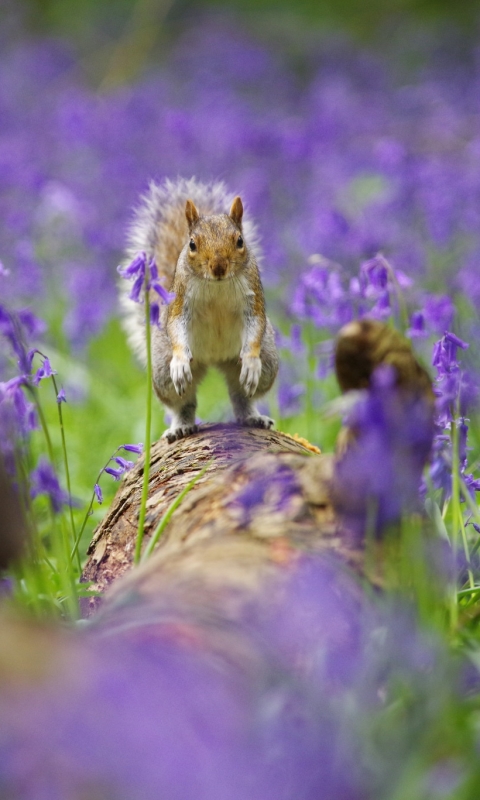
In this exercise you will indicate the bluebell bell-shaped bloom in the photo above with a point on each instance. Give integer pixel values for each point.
(45, 371)
(136, 268)
(417, 325)
(115, 473)
(133, 448)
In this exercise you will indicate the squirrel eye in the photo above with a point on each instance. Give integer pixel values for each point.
(192, 246)
(239, 242)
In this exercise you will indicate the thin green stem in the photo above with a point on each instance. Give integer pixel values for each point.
(457, 516)
(67, 470)
(168, 513)
(43, 422)
(90, 506)
(148, 433)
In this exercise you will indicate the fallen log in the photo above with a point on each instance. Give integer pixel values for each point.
(263, 497)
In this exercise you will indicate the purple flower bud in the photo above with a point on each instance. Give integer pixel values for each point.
(98, 493)
(116, 473)
(136, 269)
(48, 369)
(133, 448)
(123, 462)
(61, 396)
(137, 289)
(155, 314)
(153, 269)
(417, 325)
(45, 371)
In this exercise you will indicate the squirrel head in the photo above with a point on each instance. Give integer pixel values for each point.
(216, 249)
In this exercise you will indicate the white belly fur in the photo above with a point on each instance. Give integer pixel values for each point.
(216, 319)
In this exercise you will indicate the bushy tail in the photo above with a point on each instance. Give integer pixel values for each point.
(159, 228)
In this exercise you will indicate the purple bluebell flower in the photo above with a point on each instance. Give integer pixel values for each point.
(153, 269)
(136, 268)
(417, 325)
(116, 473)
(123, 462)
(44, 481)
(133, 448)
(45, 371)
(136, 290)
(98, 493)
(166, 297)
(23, 419)
(61, 398)
(154, 314)
(375, 273)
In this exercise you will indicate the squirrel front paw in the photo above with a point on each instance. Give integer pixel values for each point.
(180, 373)
(250, 374)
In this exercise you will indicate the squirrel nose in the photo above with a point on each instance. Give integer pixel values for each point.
(219, 268)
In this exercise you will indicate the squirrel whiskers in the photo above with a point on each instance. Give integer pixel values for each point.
(208, 259)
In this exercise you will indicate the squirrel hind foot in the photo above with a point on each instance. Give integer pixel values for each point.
(257, 421)
(179, 432)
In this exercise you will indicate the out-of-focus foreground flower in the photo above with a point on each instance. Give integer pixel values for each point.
(312, 691)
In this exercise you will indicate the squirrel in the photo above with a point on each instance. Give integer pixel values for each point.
(208, 259)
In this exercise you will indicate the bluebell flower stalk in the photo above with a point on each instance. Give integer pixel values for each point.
(144, 274)
(97, 494)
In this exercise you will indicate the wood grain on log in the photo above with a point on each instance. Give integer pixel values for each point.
(263, 499)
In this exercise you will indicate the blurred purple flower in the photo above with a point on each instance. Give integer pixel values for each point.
(292, 711)
(288, 397)
(417, 325)
(374, 274)
(277, 486)
(383, 465)
(43, 480)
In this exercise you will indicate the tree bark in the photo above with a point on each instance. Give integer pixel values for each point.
(264, 498)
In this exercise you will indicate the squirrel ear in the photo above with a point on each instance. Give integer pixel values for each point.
(191, 214)
(236, 212)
